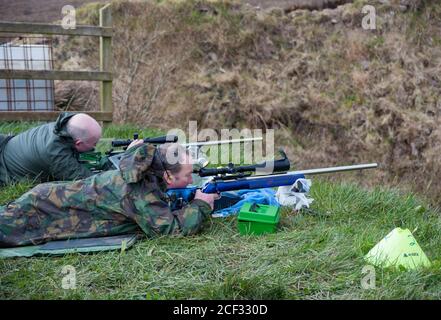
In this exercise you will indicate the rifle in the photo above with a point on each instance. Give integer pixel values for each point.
(197, 153)
(97, 161)
(232, 178)
(157, 140)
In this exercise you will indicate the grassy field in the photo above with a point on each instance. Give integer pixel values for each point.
(316, 254)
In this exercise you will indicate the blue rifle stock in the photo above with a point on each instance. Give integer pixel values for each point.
(227, 178)
(186, 195)
(181, 197)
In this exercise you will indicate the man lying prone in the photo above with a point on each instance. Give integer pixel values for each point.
(128, 200)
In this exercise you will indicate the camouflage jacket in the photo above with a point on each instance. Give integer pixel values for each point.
(111, 203)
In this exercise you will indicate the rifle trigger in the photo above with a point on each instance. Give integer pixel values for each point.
(180, 202)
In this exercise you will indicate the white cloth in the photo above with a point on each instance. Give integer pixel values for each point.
(295, 195)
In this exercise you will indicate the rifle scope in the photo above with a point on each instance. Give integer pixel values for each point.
(156, 140)
(281, 165)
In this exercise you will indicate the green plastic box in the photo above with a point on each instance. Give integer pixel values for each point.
(258, 219)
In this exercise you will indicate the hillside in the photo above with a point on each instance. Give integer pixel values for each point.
(334, 92)
(36, 10)
(315, 254)
(50, 10)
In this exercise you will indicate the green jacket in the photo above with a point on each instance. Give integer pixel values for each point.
(43, 153)
(111, 203)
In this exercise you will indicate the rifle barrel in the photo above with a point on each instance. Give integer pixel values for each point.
(274, 180)
(336, 169)
(218, 142)
(263, 175)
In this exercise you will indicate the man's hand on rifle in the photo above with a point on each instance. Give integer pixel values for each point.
(207, 197)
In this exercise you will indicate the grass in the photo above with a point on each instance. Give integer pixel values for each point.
(110, 131)
(316, 254)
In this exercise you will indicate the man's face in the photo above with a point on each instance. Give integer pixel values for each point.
(183, 178)
(84, 146)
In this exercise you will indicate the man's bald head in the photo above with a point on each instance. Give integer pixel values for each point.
(85, 131)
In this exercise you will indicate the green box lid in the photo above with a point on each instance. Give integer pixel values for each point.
(259, 213)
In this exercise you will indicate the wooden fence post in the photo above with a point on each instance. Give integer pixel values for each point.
(105, 76)
(106, 60)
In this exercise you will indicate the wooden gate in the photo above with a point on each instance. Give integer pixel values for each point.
(104, 31)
